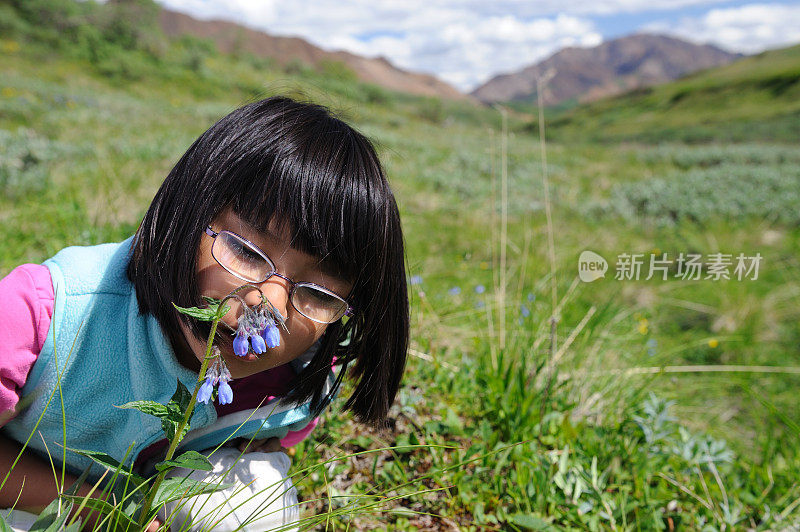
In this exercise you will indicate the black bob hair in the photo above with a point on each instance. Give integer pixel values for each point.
(297, 165)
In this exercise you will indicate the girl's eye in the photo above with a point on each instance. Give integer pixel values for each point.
(321, 297)
(244, 252)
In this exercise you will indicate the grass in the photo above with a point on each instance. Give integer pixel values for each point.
(537, 431)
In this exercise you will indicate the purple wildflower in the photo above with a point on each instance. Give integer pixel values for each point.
(205, 391)
(240, 345)
(225, 395)
(257, 341)
(216, 374)
(271, 335)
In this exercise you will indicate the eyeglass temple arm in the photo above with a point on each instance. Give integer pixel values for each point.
(210, 232)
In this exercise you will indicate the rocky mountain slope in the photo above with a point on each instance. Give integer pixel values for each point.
(230, 36)
(587, 74)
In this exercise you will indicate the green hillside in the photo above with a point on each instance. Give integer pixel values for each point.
(756, 98)
(649, 405)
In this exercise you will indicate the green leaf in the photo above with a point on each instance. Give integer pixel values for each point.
(3, 525)
(109, 463)
(52, 517)
(170, 414)
(202, 314)
(189, 460)
(104, 508)
(182, 397)
(173, 489)
(152, 408)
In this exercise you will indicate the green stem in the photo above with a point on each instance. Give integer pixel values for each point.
(143, 518)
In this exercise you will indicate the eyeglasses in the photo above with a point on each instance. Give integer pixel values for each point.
(245, 260)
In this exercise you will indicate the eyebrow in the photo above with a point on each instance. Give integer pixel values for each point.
(326, 265)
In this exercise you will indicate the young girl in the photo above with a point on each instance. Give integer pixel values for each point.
(278, 194)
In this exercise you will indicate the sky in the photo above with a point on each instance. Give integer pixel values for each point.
(467, 42)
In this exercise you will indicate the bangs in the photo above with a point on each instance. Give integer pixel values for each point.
(324, 189)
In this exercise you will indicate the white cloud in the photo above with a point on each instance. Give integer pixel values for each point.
(750, 28)
(464, 43)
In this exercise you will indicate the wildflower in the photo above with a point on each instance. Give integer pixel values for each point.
(454, 291)
(531, 297)
(271, 335)
(205, 391)
(415, 280)
(258, 344)
(240, 345)
(225, 395)
(257, 331)
(480, 289)
(713, 343)
(267, 329)
(216, 374)
(525, 311)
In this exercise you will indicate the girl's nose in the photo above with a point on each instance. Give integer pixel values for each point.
(277, 291)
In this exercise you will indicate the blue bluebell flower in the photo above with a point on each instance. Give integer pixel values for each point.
(525, 311)
(216, 374)
(204, 394)
(271, 335)
(531, 297)
(415, 280)
(480, 289)
(257, 342)
(454, 291)
(225, 395)
(240, 345)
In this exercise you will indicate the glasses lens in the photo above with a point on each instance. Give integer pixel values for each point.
(317, 304)
(240, 258)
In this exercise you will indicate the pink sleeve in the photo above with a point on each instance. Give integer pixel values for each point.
(296, 436)
(27, 307)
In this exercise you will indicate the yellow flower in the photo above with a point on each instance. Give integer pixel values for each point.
(713, 343)
(8, 92)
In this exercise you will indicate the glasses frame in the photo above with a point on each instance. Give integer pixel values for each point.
(293, 286)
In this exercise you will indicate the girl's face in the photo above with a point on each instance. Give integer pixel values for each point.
(214, 281)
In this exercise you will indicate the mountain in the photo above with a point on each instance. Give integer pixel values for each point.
(230, 37)
(753, 99)
(587, 74)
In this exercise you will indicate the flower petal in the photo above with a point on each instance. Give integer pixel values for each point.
(204, 394)
(272, 336)
(225, 395)
(240, 345)
(258, 344)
